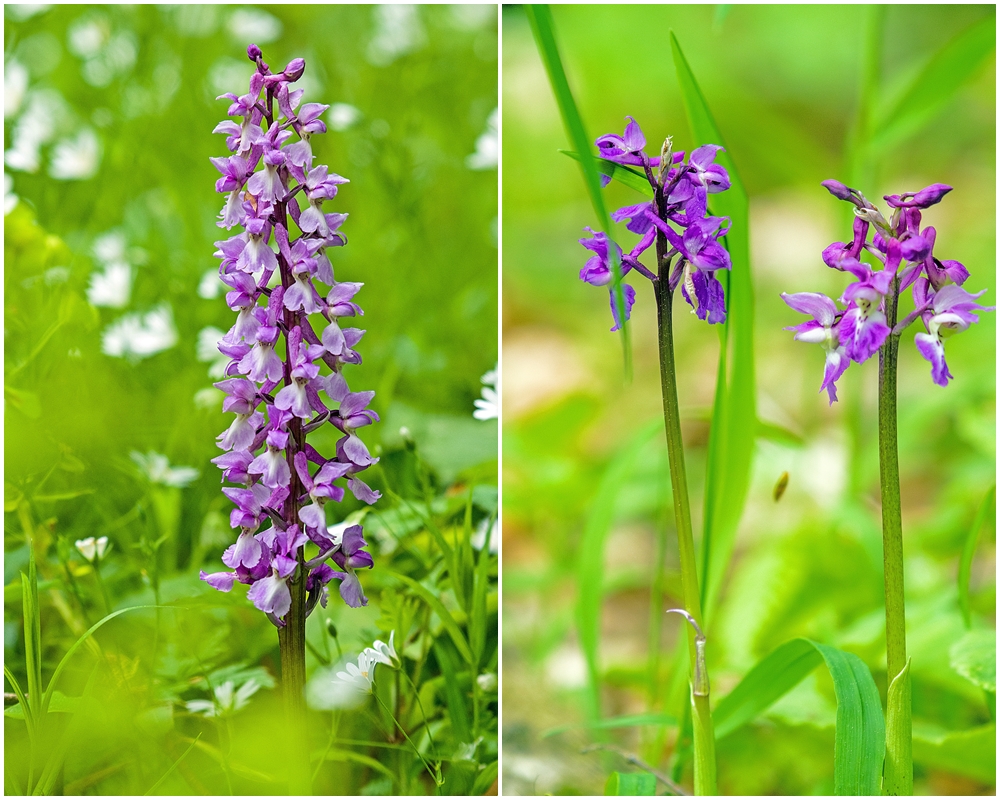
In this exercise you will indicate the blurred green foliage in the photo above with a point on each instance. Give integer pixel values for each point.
(783, 83)
(108, 119)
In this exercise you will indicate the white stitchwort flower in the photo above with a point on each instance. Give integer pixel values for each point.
(91, 548)
(137, 336)
(227, 700)
(157, 469)
(488, 407)
(76, 159)
(487, 154)
(385, 653)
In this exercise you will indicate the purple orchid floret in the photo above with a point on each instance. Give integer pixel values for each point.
(905, 258)
(676, 219)
(278, 504)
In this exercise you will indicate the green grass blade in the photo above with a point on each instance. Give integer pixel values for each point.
(542, 27)
(947, 71)
(452, 695)
(630, 721)
(480, 589)
(32, 633)
(630, 783)
(734, 421)
(624, 175)
(859, 747)
(21, 699)
(590, 564)
(986, 511)
(898, 773)
(438, 608)
(76, 646)
(172, 767)
(486, 778)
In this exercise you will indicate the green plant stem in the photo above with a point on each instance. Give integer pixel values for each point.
(898, 778)
(704, 740)
(427, 766)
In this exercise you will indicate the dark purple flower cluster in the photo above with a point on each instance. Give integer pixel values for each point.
(906, 252)
(680, 197)
(276, 399)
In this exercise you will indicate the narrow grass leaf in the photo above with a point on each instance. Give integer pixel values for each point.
(624, 175)
(859, 747)
(445, 616)
(897, 776)
(630, 721)
(734, 420)
(938, 82)
(590, 563)
(540, 17)
(21, 699)
(32, 633)
(631, 783)
(986, 512)
(358, 758)
(486, 778)
(480, 590)
(47, 698)
(172, 767)
(452, 695)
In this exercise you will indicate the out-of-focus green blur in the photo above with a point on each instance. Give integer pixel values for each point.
(783, 84)
(112, 310)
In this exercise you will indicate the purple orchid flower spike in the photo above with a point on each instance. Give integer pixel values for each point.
(682, 190)
(270, 180)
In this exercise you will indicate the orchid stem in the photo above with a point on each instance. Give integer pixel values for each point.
(898, 774)
(701, 717)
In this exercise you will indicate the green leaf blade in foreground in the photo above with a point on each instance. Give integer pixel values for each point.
(590, 566)
(859, 748)
(734, 418)
(946, 72)
(540, 18)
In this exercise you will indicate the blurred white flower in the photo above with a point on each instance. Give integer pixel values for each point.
(35, 127)
(23, 11)
(485, 531)
(9, 198)
(487, 154)
(88, 35)
(207, 350)
(76, 159)
(252, 25)
(109, 246)
(398, 31)
(226, 73)
(471, 16)
(488, 407)
(210, 286)
(15, 84)
(137, 336)
(227, 699)
(156, 467)
(348, 689)
(342, 116)
(112, 287)
(91, 548)
(487, 682)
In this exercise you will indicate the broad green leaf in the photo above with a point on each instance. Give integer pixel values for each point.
(974, 657)
(939, 81)
(734, 419)
(590, 566)
(628, 177)
(485, 779)
(986, 512)
(631, 721)
(972, 753)
(445, 616)
(542, 27)
(859, 747)
(898, 772)
(630, 783)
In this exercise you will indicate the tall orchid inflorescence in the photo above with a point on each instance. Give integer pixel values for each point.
(680, 192)
(906, 253)
(276, 398)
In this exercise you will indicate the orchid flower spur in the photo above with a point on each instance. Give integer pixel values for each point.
(688, 251)
(904, 258)
(278, 399)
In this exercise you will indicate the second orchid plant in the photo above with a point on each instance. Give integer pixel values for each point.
(903, 256)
